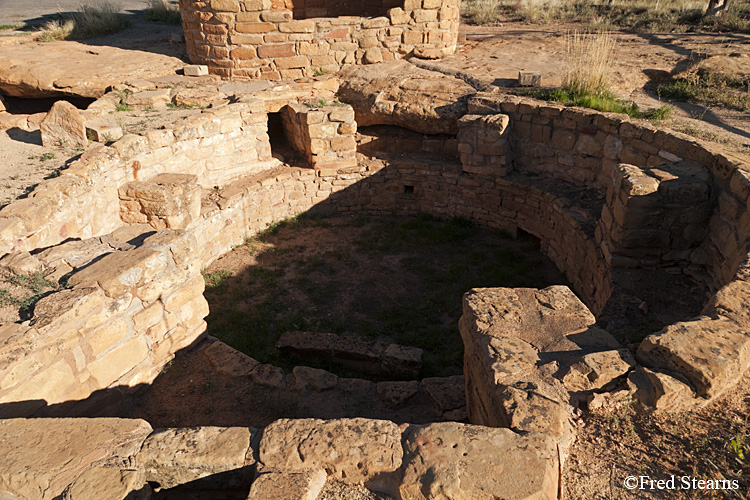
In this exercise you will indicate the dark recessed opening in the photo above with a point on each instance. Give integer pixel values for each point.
(408, 189)
(27, 106)
(280, 146)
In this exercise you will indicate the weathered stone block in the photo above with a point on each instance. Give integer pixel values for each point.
(351, 450)
(464, 462)
(64, 125)
(172, 457)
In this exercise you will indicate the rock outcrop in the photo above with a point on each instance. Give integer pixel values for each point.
(58, 69)
(399, 93)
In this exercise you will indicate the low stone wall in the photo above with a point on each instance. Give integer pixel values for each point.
(218, 147)
(126, 313)
(267, 39)
(80, 459)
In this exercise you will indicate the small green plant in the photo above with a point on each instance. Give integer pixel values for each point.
(44, 156)
(163, 12)
(739, 447)
(320, 72)
(214, 280)
(172, 105)
(123, 107)
(62, 143)
(208, 385)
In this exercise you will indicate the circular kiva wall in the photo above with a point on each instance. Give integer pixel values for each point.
(291, 39)
(600, 192)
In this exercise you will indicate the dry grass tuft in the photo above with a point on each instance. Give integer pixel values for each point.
(55, 30)
(164, 12)
(588, 58)
(639, 15)
(97, 18)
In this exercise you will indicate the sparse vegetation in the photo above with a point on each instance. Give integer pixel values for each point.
(94, 18)
(585, 83)
(23, 290)
(55, 30)
(639, 15)
(163, 12)
(708, 88)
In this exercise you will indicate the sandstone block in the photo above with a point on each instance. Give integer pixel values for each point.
(306, 378)
(108, 482)
(394, 394)
(277, 50)
(711, 354)
(195, 70)
(373, 56)
(393, 93)
(63, 449)
(660, 391)
(229, 361)
(529, 78)
(64, 125)
(448, 393)
(455, 461)
(158, 98)
(171, 457)
(255, 28)
(103, 132)
(305, 485)
(198, 98)
(351, 450)
(297, 27)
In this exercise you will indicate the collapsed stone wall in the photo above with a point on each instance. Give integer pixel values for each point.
(269, 40)
(134, 300)
(80, 459)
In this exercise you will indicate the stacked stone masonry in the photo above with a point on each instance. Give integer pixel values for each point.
(587, 184)
(272, 40)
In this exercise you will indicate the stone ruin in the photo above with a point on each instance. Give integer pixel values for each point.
(131, 224)
(288, 40)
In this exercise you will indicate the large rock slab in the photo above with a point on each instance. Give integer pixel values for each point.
(531, 356)
(711, 354)
(305, 485)
(110, 483)
(172, 457)
(452, 461)
(352, 450)
(42, 457)
(399, 93)
(57, 69)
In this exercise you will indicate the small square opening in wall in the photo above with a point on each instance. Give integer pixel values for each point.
(408, 189)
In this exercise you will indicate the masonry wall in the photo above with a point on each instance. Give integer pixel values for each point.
(269, 40)
(86, 201)
(217, 146)
(125, 316)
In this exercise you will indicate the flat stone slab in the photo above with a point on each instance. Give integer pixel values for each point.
(453, 461)
(399, 93)
(57, 69)
(172, 457)
(42, 457)
(354, 353)
(304, 485)
(352, 450)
